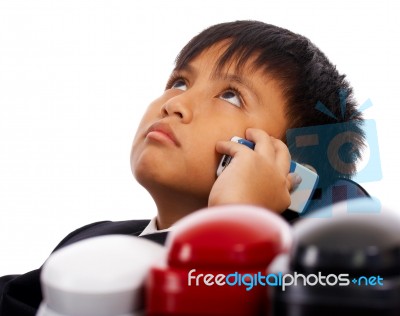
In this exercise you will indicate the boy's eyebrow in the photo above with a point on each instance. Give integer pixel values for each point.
(235, 78)
(219, 75)
(186, 67)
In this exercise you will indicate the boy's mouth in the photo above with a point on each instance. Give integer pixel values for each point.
(160, 130)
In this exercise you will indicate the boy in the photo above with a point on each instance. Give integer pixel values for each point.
(246, 79)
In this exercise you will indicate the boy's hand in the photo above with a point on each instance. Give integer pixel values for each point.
(259, 177)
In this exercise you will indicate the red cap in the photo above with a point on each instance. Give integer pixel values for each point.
(204, 248)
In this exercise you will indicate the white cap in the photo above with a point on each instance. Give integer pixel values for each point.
(99, 276)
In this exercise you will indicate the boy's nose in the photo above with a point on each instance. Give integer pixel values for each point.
(177, 106)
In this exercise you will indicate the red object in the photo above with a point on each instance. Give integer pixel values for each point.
(207, 246)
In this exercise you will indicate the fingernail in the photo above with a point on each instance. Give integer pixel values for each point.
(296, 179)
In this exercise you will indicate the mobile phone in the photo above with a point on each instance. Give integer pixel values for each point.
(301, 195)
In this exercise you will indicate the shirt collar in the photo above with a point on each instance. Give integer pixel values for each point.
(151, 228)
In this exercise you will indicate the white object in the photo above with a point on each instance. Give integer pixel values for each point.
(99, 276)
(301, 196)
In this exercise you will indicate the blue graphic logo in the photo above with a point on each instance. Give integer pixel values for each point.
(329, 148)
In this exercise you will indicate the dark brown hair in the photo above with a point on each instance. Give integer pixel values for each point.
(315, 93)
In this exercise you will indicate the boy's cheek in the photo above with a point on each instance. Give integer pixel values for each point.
(152, 113)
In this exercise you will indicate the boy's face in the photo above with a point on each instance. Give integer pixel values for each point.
(174, 147)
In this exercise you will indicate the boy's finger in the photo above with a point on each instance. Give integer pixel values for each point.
(263, 142)
(282, 155)
(292, 181)
(230, 148)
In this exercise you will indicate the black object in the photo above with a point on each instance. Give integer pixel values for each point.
(360, 242)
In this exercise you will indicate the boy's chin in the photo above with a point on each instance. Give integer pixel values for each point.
(157, 181)
(153, 176)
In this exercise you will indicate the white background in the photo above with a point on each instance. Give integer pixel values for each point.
(76, 76)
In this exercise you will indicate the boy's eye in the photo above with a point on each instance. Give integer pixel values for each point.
(232, 97)
(179, 84)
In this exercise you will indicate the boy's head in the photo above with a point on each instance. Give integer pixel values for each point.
(306, 79)
(174, 151)
(231, 77)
